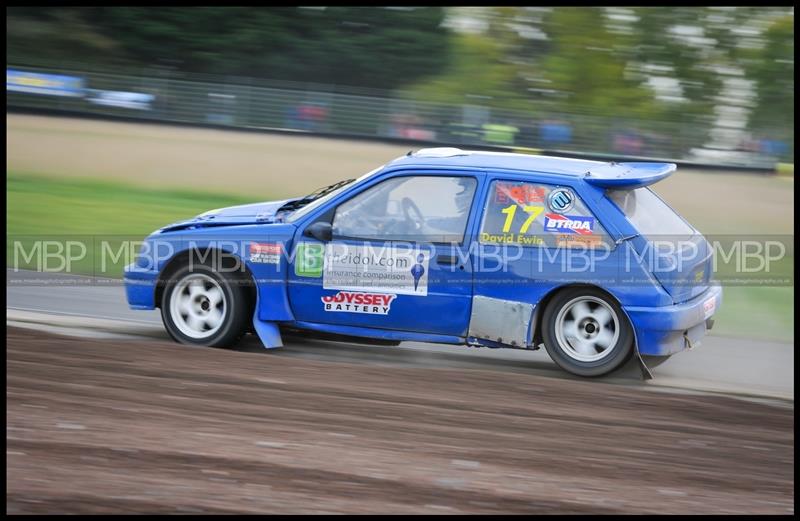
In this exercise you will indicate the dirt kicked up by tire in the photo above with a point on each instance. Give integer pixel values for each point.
(112, 426)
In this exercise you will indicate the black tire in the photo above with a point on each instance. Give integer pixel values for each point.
(238, 306)
(611, 357)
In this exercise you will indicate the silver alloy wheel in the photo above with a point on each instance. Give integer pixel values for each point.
(587, 329)
(197, 306)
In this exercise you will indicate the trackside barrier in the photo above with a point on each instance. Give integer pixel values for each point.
(327, 111)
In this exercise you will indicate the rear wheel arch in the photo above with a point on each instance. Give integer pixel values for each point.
(605, 338)
(538, 313)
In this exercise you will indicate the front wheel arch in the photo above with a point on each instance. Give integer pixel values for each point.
(234, 293)
(182, 258)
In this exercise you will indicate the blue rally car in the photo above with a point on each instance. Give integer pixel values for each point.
(449, 246)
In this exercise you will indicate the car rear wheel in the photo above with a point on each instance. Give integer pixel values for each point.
(202, 307)
(586, 333)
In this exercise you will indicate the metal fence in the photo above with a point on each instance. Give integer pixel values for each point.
(258, 104)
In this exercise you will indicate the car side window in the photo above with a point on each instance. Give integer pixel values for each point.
(535, 214)
(412, 208)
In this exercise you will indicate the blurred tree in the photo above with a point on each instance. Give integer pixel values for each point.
(771, 67)
(477, 69)
(585, 63)
(542, 60)
(363, 46)
(724, 61)
(668, 42)
(55, 37)
(676, 63)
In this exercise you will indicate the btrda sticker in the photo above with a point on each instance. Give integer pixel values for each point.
(356, 302)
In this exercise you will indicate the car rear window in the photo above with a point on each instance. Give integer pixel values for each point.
(519, 212)
(649, 214)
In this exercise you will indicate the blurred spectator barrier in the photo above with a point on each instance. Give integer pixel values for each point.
(555, 133)
(221, 109)
(495, 134)
(163, 95)
(127, 100)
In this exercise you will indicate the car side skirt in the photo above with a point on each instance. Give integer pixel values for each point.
(380, 333)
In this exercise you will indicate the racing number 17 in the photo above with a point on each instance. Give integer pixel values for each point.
(511, 210)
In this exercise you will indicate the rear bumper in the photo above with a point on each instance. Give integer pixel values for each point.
(662, 331)
(140, 286)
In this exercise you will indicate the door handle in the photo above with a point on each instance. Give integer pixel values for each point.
(446, 259)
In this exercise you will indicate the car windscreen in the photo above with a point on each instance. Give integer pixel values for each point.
(649, 214)
(316, 203)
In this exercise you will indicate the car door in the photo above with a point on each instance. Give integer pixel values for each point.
(396, 258)
(533, 237)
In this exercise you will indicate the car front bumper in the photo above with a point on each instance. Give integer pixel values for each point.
(662, 331)
(140, 286)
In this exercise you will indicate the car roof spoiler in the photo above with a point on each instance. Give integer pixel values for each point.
(628, 175)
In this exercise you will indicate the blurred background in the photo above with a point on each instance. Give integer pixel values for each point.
(121, 120)
(705, 84)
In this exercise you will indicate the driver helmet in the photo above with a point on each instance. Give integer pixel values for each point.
(463, 198)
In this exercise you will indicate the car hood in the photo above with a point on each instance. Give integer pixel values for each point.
(256, 213)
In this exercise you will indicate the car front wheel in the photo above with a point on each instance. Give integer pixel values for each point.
(202, 307)
(586, 333)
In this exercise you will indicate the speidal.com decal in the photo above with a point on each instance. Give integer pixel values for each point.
(357, 302)
(265, 252)
(403, 271)
(579, 224)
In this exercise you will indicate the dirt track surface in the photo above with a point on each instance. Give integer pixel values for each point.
(96, 426)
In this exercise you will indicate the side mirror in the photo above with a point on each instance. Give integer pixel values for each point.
(320, 230)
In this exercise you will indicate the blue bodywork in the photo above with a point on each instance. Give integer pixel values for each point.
(667, 316)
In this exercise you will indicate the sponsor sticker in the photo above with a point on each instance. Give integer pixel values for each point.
(359, 302)
(561, 200)
(387, 269)
(265, 252)
(309, 259)
(709, 306)
(579, 241)
(521, 194)
(572, 224)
